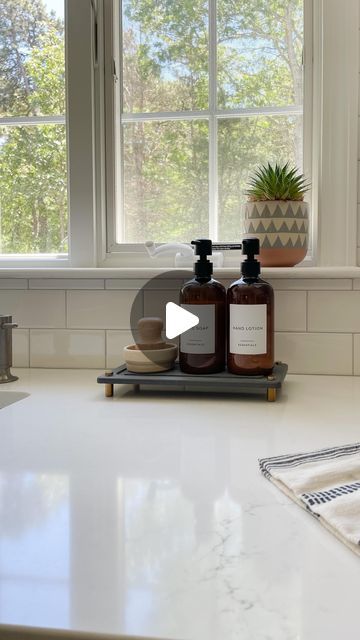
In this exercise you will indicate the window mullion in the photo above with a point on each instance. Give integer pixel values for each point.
(213, 165)
(79, 55)
(164, 115)
(26, 121)
(206, 113)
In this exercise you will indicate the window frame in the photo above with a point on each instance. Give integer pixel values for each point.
(81, 61)
(127, 254)
(336, 128)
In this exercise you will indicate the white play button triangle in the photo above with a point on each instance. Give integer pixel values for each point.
(178, 320)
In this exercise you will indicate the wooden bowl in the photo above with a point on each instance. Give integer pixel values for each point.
(150, 360)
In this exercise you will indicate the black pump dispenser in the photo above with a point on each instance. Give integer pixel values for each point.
(250, 318)
(250, 267)
(202, 348)
(203, 267)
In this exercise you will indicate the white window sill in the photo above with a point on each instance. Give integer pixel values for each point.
(145, 272)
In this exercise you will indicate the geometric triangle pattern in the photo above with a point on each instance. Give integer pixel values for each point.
(271, 225)
(282, 240)
(278, 224)
(276, 209)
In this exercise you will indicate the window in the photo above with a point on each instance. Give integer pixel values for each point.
(168, 106)
(33, 162)
(218, 144)
(206, 91)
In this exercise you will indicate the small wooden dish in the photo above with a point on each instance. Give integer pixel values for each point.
(151, 354)
(150, 361)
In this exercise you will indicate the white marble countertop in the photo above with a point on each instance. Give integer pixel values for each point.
(146, 515)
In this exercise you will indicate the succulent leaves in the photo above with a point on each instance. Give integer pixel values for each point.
(277, 183)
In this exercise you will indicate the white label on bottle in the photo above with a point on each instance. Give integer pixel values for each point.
(247, 329)
(201, 338)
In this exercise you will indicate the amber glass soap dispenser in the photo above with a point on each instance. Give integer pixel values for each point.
(251, 318)
(202, 348)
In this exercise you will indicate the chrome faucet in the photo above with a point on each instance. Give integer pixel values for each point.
(6, 327)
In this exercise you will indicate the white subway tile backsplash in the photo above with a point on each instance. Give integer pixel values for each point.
(334, 311)
(315, 320)
(357, 354)
(13, 283)
(155, 302)
(315, 353)
(152, 284)
(115, 343)
(66, 283)
(290, 311)
(20, 347)
(101, 309)
(166, 284)
(34, 309)
(311, 284)
(125, 283)
(71, 349)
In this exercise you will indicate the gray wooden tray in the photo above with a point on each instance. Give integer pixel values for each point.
(214, 382)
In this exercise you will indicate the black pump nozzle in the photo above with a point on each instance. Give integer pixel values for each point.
(251, 247)
(203, 266)
(202, 247)
(250, 268)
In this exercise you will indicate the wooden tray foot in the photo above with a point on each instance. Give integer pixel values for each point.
(109, 388)
(271, 395)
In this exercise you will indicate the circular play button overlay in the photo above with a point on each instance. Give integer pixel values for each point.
(178, 320)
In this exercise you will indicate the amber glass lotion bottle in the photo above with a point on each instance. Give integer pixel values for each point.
(250, 318)
(202, 348)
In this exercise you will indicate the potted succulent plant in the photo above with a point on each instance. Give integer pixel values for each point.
(277, 214)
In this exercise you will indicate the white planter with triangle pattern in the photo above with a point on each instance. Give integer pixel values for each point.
(282, 228)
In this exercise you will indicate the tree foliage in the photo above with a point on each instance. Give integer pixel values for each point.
(23, 23)
(33, 196)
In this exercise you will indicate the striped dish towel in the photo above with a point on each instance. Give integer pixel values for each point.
(326, 483)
